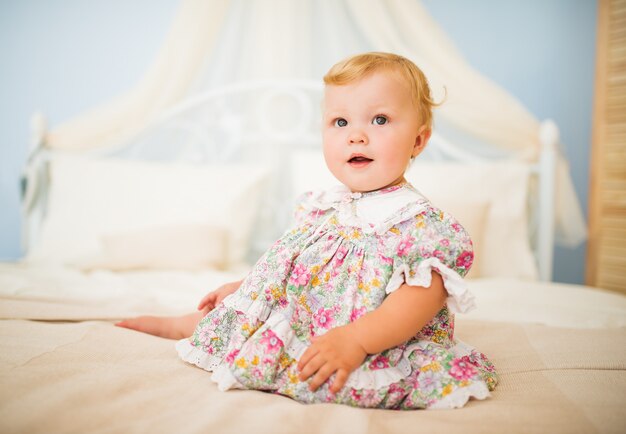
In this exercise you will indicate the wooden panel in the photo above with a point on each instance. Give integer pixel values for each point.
(606, 255)
(613, 222)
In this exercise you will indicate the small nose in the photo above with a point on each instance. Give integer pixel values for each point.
(357, 136)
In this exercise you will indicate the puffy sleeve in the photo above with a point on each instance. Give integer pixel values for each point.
(434, 240)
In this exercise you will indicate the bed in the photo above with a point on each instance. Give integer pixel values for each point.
(149, 224)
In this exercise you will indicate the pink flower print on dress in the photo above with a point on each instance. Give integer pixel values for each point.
(427, 332)
(300, 275)
(357, 313)
(395, 392)
(479, 359)
(342, 251)
(369, 397)
(394, 388)
(380, 362)
(355, 395)
(425, 252)
(272, 342)
(465, 259)
(462, 370)
(471, 358)
(230, 358)
(439, 255)
(385, 260)
(456, 227)
(323, 318)
(404, 247)
(445, 242)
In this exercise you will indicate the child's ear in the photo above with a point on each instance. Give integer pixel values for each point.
(421, 140)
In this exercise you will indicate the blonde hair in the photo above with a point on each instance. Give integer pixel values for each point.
(356, 67)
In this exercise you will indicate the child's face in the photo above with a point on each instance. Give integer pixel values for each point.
(370, 131)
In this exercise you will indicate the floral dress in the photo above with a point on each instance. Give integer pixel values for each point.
(345, 254)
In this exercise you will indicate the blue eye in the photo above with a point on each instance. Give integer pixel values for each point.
(341, 122)
(379, 120)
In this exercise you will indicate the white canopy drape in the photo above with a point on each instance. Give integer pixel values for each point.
(214, 42)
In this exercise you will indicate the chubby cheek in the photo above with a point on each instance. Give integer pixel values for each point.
(396, 155)
(398, 161)
(393, 164)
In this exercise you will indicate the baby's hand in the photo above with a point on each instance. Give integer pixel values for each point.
(334, 352)
(214, 298)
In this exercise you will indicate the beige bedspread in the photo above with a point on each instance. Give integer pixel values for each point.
(88, 376)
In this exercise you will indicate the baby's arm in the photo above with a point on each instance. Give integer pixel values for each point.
(403, 313)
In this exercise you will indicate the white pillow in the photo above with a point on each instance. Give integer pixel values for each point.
(505, 244)
(97, 205)
(494, 191)
(473, 216)
(185, 246)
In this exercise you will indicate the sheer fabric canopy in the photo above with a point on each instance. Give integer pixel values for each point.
(216, 42)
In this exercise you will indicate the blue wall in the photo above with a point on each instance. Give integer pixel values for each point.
(63, 57)
(543, 52)
(66, 56)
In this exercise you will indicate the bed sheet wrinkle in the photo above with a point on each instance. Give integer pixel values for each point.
(35, 341)
(27, 292)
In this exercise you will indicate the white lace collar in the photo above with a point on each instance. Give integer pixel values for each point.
(374, 211)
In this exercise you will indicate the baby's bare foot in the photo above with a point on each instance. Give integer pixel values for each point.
(173, 327)
(157, 326)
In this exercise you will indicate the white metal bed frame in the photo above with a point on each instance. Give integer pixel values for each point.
(242, 122)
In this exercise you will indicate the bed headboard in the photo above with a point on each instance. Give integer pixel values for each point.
(265, 121)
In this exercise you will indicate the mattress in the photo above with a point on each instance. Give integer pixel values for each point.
(560, 351)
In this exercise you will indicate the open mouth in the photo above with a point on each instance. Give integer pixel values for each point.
(359, 159)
